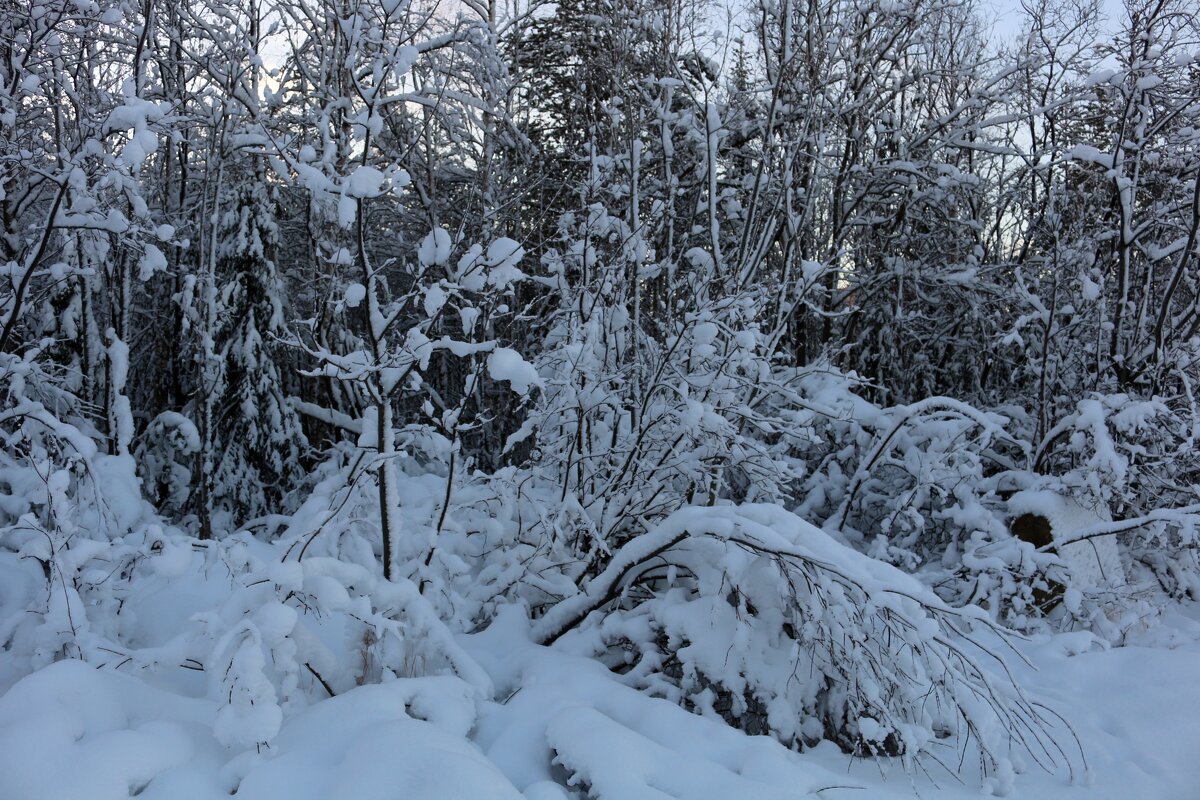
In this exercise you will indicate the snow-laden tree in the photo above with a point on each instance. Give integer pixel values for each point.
(256, 428)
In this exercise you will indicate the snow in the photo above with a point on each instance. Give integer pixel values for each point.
(468, 316)
(173, 560)
(470, 274)
(252, 715)
(151, 262)
(1084, 152)
(1099, 77)
(70, 730)
(405, 738)
(505, 717)
(506, 364)
(210, 701)
(435, 298)
(347, 210)
(678, 461)
(435, 248)
(365, 182)
(503, 255)
(355, 293)
(614, 762)
(1130, 708)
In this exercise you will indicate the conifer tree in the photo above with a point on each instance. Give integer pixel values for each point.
(260, 444)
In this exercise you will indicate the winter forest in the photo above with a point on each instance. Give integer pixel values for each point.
(599, 399)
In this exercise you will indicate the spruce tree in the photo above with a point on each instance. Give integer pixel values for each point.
(258, 440)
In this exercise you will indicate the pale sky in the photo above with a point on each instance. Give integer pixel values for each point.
(1007, 14)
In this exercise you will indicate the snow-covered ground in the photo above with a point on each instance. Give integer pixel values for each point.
(71, 731)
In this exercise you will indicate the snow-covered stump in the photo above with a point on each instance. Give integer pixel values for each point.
(1051, 522)
(1045, 518)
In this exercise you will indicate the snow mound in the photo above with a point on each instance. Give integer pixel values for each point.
(616, 763)
(405, 738)
(71, 731)
(568, 719)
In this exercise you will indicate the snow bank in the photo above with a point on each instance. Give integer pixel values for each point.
(70, 732)
(566, 713)
(405, 738)
(565, 728)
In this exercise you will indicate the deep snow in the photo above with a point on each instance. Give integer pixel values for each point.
(71, 731)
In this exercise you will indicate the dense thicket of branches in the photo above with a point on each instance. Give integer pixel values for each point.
(578, 265)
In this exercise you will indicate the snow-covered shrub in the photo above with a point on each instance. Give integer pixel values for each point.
(749, 613)
(928, 487)
(1019, 585)
(918, 486)
(1137, 458)
(164, 453)
(74, 527)
(88, 571)
(630, 427)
